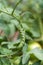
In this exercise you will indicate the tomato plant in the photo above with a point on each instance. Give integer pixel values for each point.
(21, 32)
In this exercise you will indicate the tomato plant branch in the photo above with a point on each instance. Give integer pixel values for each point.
(41, 28)
(15, 7)
(10, 15)
(22, 31)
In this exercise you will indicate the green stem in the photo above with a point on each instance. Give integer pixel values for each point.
(15, 7)
(41, 28)
(10, 15)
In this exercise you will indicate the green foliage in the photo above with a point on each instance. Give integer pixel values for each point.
(21, 22)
